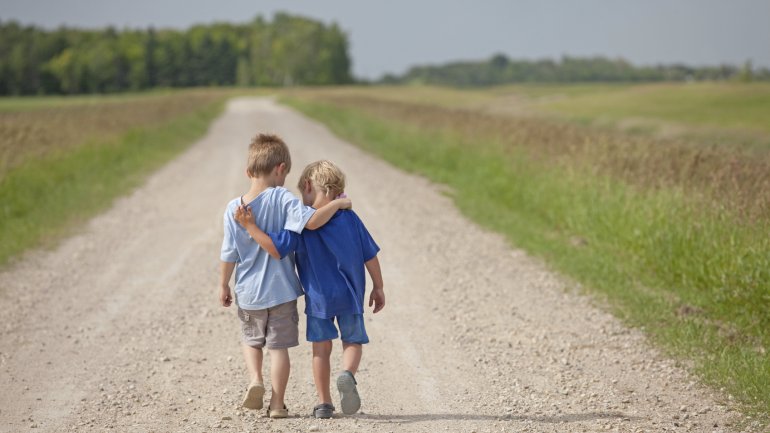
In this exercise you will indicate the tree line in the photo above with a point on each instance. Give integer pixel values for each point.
(500, 69)
(290, 50)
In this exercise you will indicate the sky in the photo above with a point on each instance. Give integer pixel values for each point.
(389, 36)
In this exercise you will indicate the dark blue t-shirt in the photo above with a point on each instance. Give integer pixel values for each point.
(330, 263)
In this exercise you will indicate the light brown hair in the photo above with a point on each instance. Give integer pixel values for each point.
(325, 177)
(266, 152)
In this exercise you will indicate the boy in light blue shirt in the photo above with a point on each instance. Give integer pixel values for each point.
(266, 290)
(331, 263)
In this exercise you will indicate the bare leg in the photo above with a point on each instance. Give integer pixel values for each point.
(351, 356)
(253, 357)
(322, 370)
(280, 366)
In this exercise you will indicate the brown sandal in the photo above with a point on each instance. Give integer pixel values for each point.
(278, 413)
(253, 397)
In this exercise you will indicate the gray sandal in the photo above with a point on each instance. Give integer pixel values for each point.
(349, 399)
(323, 410)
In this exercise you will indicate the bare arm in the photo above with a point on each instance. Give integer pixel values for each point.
(226, 271)
(326, 212)
(377, 297)
(245, 218)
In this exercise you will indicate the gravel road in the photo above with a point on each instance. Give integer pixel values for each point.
(118, 328)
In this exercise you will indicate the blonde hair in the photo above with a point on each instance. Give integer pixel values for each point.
(266, 152)
(325, 177)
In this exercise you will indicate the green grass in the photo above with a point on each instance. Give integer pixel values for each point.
(26, 103)
(43, 198)
(719, 105)
(32, 103)
(441, 96)
(697, 280)
(558, 91)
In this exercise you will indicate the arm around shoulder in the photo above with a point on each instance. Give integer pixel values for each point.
(326, 212)
(263, 240)
(245, 218)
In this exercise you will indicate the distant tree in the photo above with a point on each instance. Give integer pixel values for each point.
(287, 51)
(499, 69)
(499, 61)
(150, 58)
(747, 72)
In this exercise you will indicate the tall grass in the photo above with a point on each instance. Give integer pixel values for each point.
(694, 274)
(42, 197)
(732, 177)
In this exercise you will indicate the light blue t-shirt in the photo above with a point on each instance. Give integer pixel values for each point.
(261, 281)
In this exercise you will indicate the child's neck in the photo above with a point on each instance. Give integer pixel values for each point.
(258, 184)
(321, 200)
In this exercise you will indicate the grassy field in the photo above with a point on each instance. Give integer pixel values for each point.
(62, 160)
(672, 233)
(31, 103)
(711, 105)
(711, 113)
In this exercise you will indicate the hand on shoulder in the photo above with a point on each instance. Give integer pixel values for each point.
(344, 201)
(243, 215)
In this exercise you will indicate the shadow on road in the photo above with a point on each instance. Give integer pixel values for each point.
(546, 419)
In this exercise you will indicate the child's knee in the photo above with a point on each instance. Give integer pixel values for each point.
(322, 348)
(282, 352)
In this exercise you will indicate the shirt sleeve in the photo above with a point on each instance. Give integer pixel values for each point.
(297, 214)
(368, 246)
(285, 241)
(229, 252)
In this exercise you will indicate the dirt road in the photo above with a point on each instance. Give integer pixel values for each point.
(118, 328)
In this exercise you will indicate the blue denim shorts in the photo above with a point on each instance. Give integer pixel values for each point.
(351, 327)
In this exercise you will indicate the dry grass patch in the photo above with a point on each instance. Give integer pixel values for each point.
(59, 126)
(737, 179)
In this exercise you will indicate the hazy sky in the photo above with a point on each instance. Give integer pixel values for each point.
(391, 35)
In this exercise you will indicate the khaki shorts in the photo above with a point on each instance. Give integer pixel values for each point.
(276, 327)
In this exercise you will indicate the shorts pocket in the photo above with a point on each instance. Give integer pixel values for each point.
(248, 324)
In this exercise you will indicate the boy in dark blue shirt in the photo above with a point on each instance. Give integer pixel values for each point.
(330, 262)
